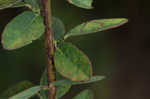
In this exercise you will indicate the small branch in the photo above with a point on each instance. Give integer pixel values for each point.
(46, 12)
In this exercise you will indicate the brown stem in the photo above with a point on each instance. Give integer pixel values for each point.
(46, 12)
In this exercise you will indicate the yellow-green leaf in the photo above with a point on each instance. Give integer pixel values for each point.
(22, 30)
(95, 26)
(71, 63)
(87, 4)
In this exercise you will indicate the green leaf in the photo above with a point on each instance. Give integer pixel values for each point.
(7, 3)
(86, 94)
(34, 5)
(19, 4)
(28, 93)
(71, 63)
(22, 30)
(96, 26)
(87, 4)
(61, 89)
(43, 82)
(65, 82)
(58, 29)
(17, 88)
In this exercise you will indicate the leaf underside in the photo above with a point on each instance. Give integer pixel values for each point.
(71, 63)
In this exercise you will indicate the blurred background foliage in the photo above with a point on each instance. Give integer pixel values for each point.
(121, 54)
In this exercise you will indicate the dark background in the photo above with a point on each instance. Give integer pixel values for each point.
(121, 54)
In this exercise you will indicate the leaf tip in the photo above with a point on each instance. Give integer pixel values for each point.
(124, 20)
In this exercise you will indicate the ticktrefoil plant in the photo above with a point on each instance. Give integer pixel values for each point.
(66, 64)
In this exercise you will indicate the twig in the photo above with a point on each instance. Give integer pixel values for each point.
(46, 12)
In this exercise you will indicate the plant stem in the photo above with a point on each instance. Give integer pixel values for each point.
(46, 11)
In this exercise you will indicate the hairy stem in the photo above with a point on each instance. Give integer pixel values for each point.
(46, 12)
